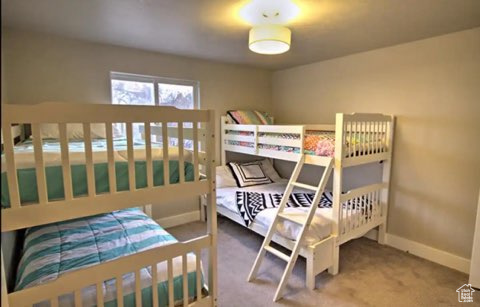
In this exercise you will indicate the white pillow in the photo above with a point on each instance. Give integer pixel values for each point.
(74, 131)
(249, 174)
(224, 177)
(270, 171)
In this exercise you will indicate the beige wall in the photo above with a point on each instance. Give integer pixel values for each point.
(40, 67)
(433, 87)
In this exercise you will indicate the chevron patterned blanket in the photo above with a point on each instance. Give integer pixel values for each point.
(250, 204)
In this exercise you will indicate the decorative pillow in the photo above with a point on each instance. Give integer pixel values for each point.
(224, 177)
(249, 174)
(250, 117)
(270, 171)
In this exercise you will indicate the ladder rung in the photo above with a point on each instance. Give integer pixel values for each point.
(290, 218)
(305, 186)
(277, 253)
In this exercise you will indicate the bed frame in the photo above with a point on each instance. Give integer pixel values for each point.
(21, 215)
(346, 226)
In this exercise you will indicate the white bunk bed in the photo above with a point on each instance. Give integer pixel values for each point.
(358, 139)
(111, 281)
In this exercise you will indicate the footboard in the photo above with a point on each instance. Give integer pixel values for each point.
(88, 286)
(362, 210)
(360, 139)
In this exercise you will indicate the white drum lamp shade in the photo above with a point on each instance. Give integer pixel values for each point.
(269, 39)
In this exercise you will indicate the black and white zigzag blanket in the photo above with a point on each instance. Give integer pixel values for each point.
(250, 204)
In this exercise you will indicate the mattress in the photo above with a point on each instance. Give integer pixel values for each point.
(55, 249)
(320, 228)
(25, 163)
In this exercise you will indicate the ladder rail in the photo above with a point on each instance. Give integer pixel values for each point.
(292, 183)
(270, 232)
(303, 231)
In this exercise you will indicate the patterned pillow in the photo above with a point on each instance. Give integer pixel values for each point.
(250, 117)
(249, 174)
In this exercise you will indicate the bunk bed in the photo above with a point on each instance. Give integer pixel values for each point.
(355, 139)
(86, 208)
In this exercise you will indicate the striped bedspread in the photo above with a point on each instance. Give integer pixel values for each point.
(55, 249)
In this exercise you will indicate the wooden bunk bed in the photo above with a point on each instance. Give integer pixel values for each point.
(357, 139)
(164, 262)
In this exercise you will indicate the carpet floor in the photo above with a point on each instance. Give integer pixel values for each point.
(370, 274)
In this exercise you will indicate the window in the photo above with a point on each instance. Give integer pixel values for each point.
(147, 90)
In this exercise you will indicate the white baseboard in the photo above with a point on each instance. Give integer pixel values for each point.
(424, 251)
(418, 249)
(180, 219)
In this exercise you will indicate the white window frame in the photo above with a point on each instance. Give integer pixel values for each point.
(156, 80)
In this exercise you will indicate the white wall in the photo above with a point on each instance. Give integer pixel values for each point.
(39, 67)
(433, 87)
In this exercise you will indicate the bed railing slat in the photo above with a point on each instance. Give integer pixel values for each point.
(100, 294)
(67, 176)
(54, 302)
(369, 138)
(138, 289)
(131, 158)
(355, 141)
(39, 164)
(198, 268)
(119, 288)
(350, 146)
(13, 190)
(78, 298)
(166, 163)
(87, 138)
(384, 137)
(171, 299)
(155, 285)
(148, 154)
(112, 179)
(181, 162)
(195, 152)
(355, 213)
(185, 280)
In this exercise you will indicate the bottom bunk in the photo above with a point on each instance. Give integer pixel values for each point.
(55, 250)
(255, 207)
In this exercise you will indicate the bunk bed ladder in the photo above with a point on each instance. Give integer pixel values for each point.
(280, 215)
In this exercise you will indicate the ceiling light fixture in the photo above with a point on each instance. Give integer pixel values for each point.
(269, 39)
(268, 17)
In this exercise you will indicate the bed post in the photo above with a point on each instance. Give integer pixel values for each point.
(212, 207)
(337, 192)
(387, 166)
(4, 285)
(223, 121)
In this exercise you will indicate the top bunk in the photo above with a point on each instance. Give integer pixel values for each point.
(75, 165)
(355, 139)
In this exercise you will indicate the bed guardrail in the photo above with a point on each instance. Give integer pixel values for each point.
(364, 138)
(74, 283)
(22, 215)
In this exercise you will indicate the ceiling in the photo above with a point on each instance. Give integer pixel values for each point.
(212, 29)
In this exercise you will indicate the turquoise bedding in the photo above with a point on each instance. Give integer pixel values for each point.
(54, 174)
(52, 250)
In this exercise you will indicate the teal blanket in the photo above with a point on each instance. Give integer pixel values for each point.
(55, 249)
(54, 176)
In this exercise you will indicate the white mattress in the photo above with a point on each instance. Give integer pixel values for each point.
(320, 228)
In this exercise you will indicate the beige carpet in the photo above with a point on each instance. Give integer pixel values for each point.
(370, 275)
